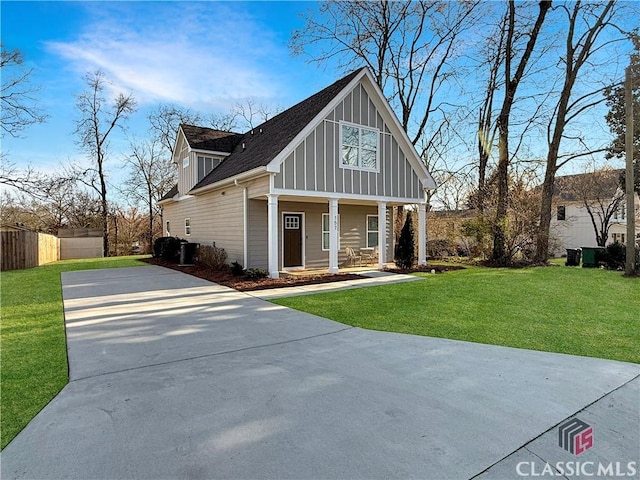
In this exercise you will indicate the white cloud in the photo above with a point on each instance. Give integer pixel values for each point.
(205, 56)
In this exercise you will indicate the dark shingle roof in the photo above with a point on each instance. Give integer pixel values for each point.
(202, 138)
(266, 141)
(170, 194)
(565, 186)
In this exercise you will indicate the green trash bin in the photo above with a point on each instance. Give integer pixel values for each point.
(591, 256)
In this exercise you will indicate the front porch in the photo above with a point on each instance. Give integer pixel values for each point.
(334, 235)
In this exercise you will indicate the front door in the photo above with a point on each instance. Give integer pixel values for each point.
(292, 223)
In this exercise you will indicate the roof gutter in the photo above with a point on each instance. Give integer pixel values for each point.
(230, 181)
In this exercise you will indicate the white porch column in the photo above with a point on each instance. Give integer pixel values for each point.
(272, 234)
(382, 234)
(422, 234)
(334, 235)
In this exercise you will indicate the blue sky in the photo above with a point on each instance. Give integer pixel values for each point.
(203, 55)
(206, 56)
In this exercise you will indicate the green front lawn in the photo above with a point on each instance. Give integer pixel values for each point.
(570, 310)
(33, 367)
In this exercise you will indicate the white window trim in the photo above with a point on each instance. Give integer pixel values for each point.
(323, 231)
(359, 166)
(371, 231)
(187, 226)
(185, 162)
(168, 226)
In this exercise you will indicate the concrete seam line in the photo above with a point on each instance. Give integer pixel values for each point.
(544, 461)
(606, 394)
(210, 355)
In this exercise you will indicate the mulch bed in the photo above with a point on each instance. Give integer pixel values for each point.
(427, 269)
(244, 285)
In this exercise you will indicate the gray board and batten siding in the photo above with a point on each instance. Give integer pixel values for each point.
(314, 165)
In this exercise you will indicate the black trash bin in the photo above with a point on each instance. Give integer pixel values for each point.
(187, 252)
(573, 257)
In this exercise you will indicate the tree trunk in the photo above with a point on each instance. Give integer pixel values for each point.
(542, 244)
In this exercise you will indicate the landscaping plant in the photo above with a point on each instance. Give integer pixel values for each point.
(405, 255)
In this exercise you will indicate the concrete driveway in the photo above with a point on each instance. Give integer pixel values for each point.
(175, 377)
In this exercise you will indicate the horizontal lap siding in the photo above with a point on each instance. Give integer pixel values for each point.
(353, 229)
(258, 235)
(314, 164)
(214, 218)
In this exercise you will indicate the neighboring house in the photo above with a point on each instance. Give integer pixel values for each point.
(571, 224)
(297, 190)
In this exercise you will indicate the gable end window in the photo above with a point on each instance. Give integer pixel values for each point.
(185, 162)
(205, 165)
(561, 212)
(187, 226)
(360, 147)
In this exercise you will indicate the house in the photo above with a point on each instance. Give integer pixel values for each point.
(572, 226)
(297, 190)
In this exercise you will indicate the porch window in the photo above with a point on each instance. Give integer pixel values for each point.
(372, 231)
(359, 147)
(561, 212)
(187, 226)
(325, 232)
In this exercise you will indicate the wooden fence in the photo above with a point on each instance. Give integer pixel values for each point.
(24, 249)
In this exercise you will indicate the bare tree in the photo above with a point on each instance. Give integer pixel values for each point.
(151, 175)
(164, 122)
(17, 94)
(487, 125)
(585, 24)
(511, 80)
(97, 121)
(408, 46)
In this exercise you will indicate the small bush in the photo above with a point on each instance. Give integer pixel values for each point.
(255, 273)
(237, 269)
(213, 257)
(405, 250)
(615, 256)
(167, 248)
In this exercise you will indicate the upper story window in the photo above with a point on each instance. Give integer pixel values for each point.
(619, 214)
(561, 212)
(359, 147)
(205, 165)
(185, 162)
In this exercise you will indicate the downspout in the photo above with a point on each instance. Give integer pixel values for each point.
(245, 222)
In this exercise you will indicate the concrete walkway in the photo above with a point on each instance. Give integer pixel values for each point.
(175, 377)
(374, 278)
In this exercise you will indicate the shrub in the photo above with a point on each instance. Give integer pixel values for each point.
(615, 256)
(255, 273)
(213, 257)
(236, 269)
(439, 248)
(405, 249)
(167, 248)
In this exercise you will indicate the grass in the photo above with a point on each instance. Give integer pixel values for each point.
(572, 310)
(34, 355)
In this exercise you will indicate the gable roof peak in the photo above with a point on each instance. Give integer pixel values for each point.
(263, 143)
